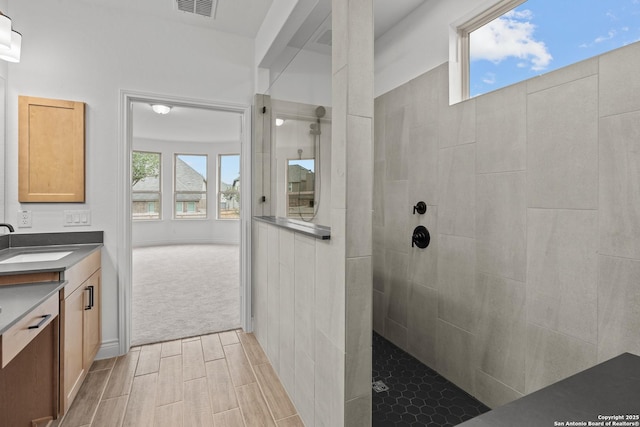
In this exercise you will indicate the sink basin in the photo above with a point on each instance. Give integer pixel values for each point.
(36, 257)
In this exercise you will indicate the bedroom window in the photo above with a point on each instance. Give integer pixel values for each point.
(145, 185)
(190, 186)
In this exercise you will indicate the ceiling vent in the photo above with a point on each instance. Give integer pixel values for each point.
(199, 7)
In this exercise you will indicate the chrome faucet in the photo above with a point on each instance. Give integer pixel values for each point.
(9, 226)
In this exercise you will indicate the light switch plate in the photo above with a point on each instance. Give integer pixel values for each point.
(77, 218)
(24, 219)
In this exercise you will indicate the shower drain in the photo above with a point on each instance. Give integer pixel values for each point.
(379, 386)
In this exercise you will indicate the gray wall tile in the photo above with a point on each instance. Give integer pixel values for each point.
(492, 392)
(619, 84)
(304, 395)
(422, 323)
(273, 297)
(620, 185)
(457, 190)
(618, 307)
(329, 371)
(396, 333)
(304, 279)
(423, 164)
(397, 210)
(456, 281)
(552, 357)
(501, 213)
(260, 281)
(454, 353)
(425, 107)
(286, 351)
(358, 412)
(378, 192)
(564, 75)
(457, 123)
(330, 296)
(562, 271)
(501, 332)
(396, 143)
(397, 287)
(379, 128)
(501, 144)
(378, 312)
(359, 306)
(423, 263)
(562, 153)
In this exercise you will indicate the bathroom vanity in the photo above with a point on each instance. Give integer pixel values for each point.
(50, 332)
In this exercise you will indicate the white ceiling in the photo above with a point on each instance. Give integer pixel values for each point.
(186, 124)
(241, 17)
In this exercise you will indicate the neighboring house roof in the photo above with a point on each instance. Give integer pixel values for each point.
(298, 173)
(187, 179)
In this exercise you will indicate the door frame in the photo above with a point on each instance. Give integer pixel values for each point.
(124, 239)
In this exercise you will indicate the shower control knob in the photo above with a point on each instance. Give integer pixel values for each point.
(421, 237)
(420, 207)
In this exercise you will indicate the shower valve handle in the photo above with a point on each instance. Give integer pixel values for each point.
(420, 207)
(421, 237)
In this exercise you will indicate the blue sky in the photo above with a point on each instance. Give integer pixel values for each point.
(543, 35)
(230, 166)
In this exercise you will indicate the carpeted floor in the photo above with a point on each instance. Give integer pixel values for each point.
(184, 290)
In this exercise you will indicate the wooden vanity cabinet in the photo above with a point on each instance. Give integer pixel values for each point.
(80, 326)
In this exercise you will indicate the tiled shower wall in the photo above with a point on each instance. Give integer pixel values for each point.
(533, 195)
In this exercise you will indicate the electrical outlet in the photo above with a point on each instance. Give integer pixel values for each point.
(24, 219)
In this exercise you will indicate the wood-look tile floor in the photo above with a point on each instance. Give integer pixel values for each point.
(217, 380)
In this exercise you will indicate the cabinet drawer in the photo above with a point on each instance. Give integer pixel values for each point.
(21, 334)
(76, 275)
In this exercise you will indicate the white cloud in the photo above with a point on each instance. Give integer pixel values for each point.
(489, 78)
(510, 35)
(611, 34)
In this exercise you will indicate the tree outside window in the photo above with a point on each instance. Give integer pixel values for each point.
(229, 186)
(145, 185)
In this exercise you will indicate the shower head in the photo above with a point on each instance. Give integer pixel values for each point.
(320, 112)
(314, 129)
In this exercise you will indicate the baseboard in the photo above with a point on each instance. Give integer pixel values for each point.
(109, 349)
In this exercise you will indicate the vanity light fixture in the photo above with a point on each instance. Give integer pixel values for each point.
(279, 122)
(161, 108)
(12, 54)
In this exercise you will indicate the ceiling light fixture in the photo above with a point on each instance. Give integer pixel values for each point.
(12, 54)
(5, 31)
(279, 122)
(161, 108)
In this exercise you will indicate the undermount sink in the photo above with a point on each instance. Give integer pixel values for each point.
(36, 257)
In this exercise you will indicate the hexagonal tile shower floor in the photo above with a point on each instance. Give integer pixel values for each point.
(417, 396)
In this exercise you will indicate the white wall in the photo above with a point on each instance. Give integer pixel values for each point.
(85, 52)
(420, 42)
(169, 231)
(307, 79)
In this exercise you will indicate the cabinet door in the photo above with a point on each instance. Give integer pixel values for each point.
(92, 330)
(72, 363)
(51, 150)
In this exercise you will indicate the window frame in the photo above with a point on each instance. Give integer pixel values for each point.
(219, 186)
(159, 192)
(463, 39)
(182, 216)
